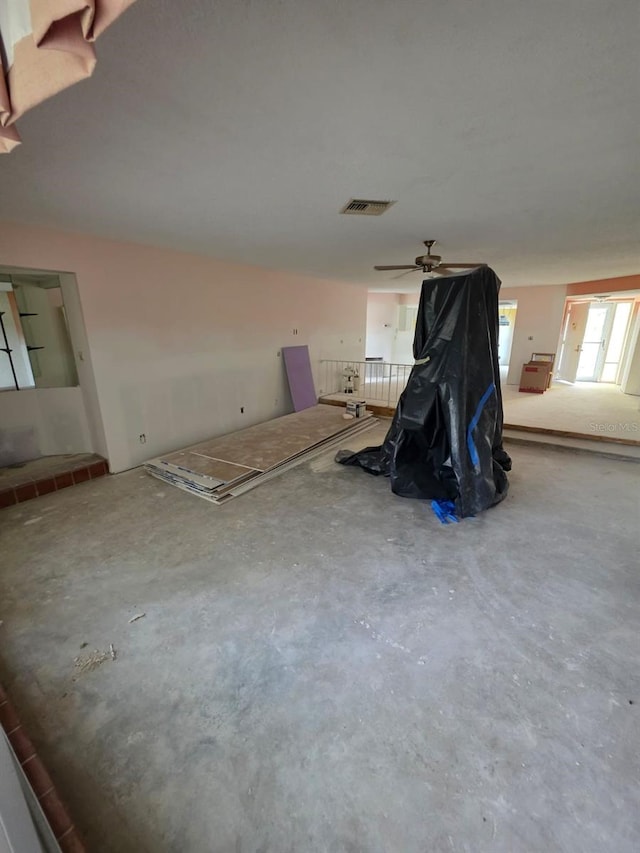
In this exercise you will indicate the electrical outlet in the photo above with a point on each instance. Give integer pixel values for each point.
(142, 438)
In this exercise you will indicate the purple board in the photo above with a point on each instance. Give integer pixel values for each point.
(298, 367)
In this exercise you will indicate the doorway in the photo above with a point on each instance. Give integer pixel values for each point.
(593, 341)
(506, 322)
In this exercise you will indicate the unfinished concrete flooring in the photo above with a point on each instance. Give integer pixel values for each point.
(324, 667)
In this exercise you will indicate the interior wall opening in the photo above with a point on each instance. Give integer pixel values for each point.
(48, 400)
(35, 342)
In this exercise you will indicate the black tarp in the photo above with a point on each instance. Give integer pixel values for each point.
(445, 440)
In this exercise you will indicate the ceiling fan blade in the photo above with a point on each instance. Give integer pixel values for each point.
(454, 266)
(406, 272)
(405, 267)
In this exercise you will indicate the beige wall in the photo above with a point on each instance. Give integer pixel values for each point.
(382, 325)
(403, 350)
(178, 343)
(56, 417)
(537, 326)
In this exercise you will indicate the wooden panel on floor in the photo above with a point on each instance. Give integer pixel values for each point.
(173, 469)
(266, 445)
(218, 470)
(208, 484)
(192, 483)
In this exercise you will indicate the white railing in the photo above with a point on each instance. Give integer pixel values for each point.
(378, 382)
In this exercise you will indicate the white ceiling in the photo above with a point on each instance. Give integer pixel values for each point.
(509, 132)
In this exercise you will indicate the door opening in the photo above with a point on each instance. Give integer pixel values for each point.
(506, 322)
(603, 342)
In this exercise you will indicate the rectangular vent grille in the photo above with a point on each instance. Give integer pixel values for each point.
(366, 207)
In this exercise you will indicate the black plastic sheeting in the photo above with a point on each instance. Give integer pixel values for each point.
(445, 440)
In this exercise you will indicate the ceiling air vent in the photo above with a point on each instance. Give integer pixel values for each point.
(366, 207)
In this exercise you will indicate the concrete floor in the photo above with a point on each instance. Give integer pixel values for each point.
(324, 667)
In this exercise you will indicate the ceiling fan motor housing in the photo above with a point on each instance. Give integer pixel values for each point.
(428, 260)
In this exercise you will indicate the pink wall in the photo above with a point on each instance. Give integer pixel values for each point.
(410, 298)
(179, 342)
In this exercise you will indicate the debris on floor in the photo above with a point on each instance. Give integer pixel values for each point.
(136, 617)
(93, 660)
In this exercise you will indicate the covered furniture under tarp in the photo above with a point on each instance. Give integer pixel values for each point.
(445, 440)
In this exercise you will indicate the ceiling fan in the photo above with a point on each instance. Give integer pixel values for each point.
(431, 263)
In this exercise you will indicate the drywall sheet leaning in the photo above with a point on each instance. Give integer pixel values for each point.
(299, 376)
(224, 467)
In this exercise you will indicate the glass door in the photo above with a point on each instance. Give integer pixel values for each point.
(603, 341)
(594, 342)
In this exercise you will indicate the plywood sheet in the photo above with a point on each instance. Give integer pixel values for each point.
(236, 489)
(217, 469)
(219, 495)
(166, 468)
(266, 445)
